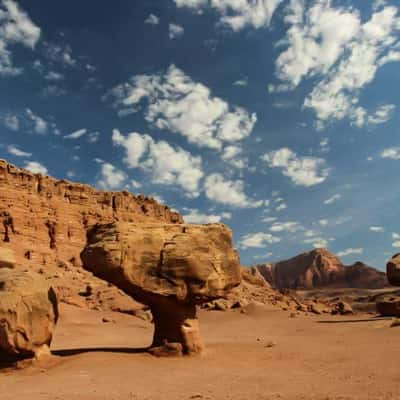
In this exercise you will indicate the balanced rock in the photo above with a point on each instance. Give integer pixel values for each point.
(7, 258)
(28, 314)
(171, 268)
(393, 270)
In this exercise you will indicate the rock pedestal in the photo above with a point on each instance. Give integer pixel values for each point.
(393, 270)
(170, 268)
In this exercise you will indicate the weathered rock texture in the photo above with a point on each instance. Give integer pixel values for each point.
(7, 258)
(393, 270)
(28, 314)
(171, 268)
(320, 268)
(44, 220)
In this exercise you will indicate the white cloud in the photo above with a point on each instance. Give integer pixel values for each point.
(396, 239)
(15, 28)
(349, 252)
(196, 217)
(39, 124)
(323, 222)
(392, 153)
(269, 219)
(152, 20)
(35, 167)
(258, 240)
(176, 103)
(111, 177)
(378, 229)
(76, 134)
(333, 199)
(241, 82)
(237, 14)
(231, 155)
(175, 31)
(317, 242)
(345, 60)
(290, 226)
(11, 122)
(167, 164)
(281, 207)
(303, 171)
(14, 150)
(228, 192)
(381, 115)
(54, 76)
(263, 256)
(60, 54)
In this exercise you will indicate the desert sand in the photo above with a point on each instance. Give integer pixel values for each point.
(260, 354)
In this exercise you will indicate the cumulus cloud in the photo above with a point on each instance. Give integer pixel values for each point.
(382, 114)
(228, 192)
(350, 252)
(344, 60)
(396, 239)
(392, 153)
(35, 167)
(111, 177)
(237, 14)
(175, 31)
(316, 242)
(231, 155)
(60, 54)
(303, 171)
(333, 199)
(167, 164)
(173, 101)
(194, 216)
(15, 28)
(258, 240)
(152, 20)
(14, 150)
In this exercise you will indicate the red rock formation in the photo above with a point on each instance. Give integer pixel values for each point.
(320, 268)
(44, 220)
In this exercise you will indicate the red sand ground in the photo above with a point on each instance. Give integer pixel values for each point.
(320, 357)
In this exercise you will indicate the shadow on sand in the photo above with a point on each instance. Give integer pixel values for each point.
(73, 352)
(353, 321)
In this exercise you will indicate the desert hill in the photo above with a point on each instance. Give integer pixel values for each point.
(320, 268)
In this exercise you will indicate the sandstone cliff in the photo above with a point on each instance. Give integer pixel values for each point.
(319, 268)
(44, 220)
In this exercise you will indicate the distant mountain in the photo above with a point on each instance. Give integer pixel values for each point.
(320, 268)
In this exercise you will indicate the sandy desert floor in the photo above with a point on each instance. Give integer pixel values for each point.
(263, 354)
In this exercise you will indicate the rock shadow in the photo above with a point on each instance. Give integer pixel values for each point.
(75, 351)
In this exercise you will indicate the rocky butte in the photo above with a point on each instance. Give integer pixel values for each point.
(320, 268)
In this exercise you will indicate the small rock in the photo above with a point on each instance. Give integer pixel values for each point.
(270, 344)
(7, 258)
(395, 323)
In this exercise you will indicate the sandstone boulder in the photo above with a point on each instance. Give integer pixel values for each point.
(170, 268)
(28, 314)
(393, 270)
(389, 307)
(7, 258)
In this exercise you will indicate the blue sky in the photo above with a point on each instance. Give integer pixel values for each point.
(277, 117)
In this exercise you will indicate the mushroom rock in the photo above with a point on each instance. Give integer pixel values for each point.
(28, 314)
(393, 270)
(171, 268)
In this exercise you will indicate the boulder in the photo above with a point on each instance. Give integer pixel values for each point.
(7, 258)
(28, 314)
(393, 270)
(170, 268)
(389, 307)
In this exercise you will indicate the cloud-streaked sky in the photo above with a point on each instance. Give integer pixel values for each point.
(279, 118)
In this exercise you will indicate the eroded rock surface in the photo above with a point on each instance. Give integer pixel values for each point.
(393, 270)
(28, 314)
(320, 268)
(171, 268)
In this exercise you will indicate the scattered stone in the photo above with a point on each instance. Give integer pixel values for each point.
(28, 314)
(389, 307)
(270, 344)
(342, 308)
(395, 323)
(167, 350)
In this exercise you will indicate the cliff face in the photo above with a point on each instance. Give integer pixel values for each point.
(320, 268)
(44, 220)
